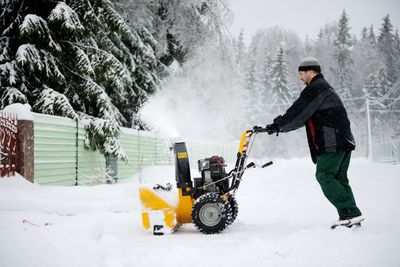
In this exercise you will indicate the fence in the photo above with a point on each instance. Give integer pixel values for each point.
(375, 126)
(386, 152)
(8, 141)
(61, 158)
(376, 129)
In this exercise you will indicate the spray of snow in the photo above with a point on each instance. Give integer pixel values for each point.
(161, 114)
(203, 101)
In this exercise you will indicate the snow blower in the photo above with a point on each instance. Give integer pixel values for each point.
(208, 201)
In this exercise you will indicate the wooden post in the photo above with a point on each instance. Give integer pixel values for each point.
(25, 150)
(8, 140)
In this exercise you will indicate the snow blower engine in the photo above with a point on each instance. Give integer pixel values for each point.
(209, 201)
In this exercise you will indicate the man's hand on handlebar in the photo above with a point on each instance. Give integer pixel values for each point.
(258, 129)
(272, 128)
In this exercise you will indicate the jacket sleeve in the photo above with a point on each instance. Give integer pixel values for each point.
(301, 110)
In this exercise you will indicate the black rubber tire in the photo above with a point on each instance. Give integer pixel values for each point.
(234, 209)
(211, 214)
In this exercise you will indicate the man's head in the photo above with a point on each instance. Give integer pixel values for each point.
(308, 69)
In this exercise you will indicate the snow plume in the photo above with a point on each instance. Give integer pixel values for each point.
(204, 101)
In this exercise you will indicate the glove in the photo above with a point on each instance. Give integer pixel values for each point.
(272, 128)
(258, 129)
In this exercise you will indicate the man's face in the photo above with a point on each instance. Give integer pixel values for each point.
(306, 76)
(303, 76)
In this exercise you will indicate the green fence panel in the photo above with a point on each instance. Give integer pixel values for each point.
(91, 164)
(55, 150)
(60, 155)
(130, 141)
(142, 149)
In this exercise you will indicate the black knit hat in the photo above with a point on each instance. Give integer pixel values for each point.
(309, 63)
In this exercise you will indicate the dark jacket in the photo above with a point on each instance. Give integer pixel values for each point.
(320, 109)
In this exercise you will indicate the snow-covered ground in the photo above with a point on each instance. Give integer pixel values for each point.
(283, 221)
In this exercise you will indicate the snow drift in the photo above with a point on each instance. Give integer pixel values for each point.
(283, 221)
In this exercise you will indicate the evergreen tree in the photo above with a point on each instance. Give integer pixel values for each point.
(372, 37)
(397, 51)
(377, 85)
(373, 88)
(179, 27)
(344, 62)
(252, 91)
(384, 122)
(386, 45)
(240, 48)
(77, 59)
(364, 34)
(280, 94)
(324, 49)
(397, 42)
(366, 60)
(266, 84)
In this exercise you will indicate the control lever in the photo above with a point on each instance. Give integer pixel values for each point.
(267, 164)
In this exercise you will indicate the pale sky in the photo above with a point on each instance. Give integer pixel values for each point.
(309, 16)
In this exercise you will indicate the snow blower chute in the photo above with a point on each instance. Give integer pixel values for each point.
(208, 201)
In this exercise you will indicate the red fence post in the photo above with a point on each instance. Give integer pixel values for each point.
(8, 139)
(17, 141)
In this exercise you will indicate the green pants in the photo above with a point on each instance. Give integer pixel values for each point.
(332, 176)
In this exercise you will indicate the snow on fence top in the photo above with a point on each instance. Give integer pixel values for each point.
(23, 111)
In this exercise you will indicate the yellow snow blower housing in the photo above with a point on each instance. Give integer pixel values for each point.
(209, 201)
(161, 213)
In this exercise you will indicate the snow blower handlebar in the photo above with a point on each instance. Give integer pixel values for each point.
(259, 129)
(270, 129)
(246, 143)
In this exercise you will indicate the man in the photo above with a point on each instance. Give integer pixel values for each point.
(330, 139)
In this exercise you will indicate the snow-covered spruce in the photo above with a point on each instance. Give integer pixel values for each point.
(12, 95)
(65, 18)
(81, 59)
(34, 29)
(53, 102)
(211, 214)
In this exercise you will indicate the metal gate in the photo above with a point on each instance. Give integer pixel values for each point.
(8, 141)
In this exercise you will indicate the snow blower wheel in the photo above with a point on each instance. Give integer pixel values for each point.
(234, 209)
(211, 214)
